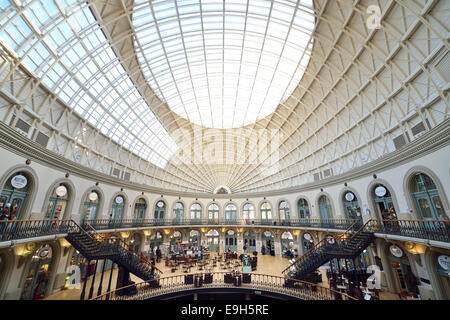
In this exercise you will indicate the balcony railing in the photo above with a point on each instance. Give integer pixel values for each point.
(104, 224)
(23, 229)
(178, 283)
(437, 230)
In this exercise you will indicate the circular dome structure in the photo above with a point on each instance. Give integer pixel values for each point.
(223, 64)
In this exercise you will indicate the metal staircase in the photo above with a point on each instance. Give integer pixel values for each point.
(94, 246)
(348, 245)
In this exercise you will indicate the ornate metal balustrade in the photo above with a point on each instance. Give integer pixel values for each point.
(23, 229)
(438, 230)
(177, 283)
(105, 224)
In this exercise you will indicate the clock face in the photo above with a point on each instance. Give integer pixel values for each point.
(349, 196)
(444, 262)
(380, 191)
(396, 251)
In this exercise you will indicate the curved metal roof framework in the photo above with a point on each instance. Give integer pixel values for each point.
(377, 78)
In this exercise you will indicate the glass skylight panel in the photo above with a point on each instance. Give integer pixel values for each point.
(239, 69)
(84, 73)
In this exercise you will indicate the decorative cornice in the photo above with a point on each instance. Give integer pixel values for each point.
(435, 139)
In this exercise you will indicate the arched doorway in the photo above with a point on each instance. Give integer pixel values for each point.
(15, 194)
(57, 203)
(426, 198)
(401, 269)
(442, 263)
(303, 209)
(160, 210)
(283, 210)
(38, 275)
(266, 213)
(287, 243)
(230, 214)
(325, 208)
(90, 206)
(212, 240)
(231, 240)
(351, 206)
(249, 241)
(383, 202)
(140, 207)
(156, 240)
(178, 213)
(267, 243)
(195, 238)
(307, 242)
(117, 209)
(136, 243)
(213, 214)
(249, 213)
(196, 213)
(175, 241)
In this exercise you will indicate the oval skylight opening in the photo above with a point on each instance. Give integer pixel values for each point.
(223, 64)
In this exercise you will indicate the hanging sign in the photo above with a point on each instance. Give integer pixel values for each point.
(119, 200)
(93, 196)
(396, 251)
(380, 191)
(349, 196)
(444, 262)
(160, 204)
(61, 191)
(43, 252)
(268, 233)
(307, 236)
(19, 181)
(230, 232)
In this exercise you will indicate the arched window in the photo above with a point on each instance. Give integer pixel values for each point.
(383, 202)
(194, 237)
(231, 240)
(38, 276)
(213, 214)
(303, 209)
(287, 243)
(196, 212)
(351, 206)
(91, 204)
(324, 208)
(283, 209)
(266, 212)
(178, 212)
(117, 208)
(156, 240)
(139, 209)
(249, 213)
(58, 202)
(249, 241)
(160, 210)
(212, 240)
(230, 213)
(15, 194)
(268, 243)
(426, 198)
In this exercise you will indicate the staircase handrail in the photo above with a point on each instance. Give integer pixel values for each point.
(319, 245)
(141, 258)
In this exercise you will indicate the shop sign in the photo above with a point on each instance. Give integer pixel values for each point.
(444, 262)
(396, 251)
(380, 191)
(19, 181)
(349, 196)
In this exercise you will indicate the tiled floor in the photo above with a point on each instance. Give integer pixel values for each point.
(266, 265)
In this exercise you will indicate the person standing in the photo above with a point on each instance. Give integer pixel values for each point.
(158, 254)
(3, 217)
(199, 253)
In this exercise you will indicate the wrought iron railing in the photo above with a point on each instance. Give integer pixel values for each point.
(438, 230)
(23, 229)
(177, 283)
(105, 224)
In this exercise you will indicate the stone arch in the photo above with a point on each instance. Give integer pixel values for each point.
(225, 208)
(297, 199)
(333, 208)
(166, 208)
(430, 265)
(72, 197)
(33, 186)
(341, 199)
(258, 209)
(201, 206)
(278, 207)
(101, 203)
(370, 189)
(221, 212)
(8, 263)
(408, 192)
(125, 204)
(185, 209)
(147, 202)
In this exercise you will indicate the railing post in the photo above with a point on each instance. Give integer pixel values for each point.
(109, 283)
(99, 291)
(85, 281)
(91, 291)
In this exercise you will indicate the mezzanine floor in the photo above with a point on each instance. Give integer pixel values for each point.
(267, 264)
